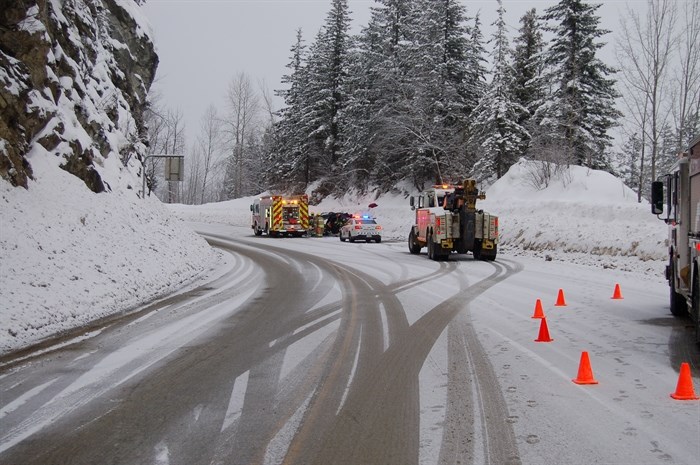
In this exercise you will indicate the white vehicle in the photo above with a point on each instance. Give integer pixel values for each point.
(362, 227)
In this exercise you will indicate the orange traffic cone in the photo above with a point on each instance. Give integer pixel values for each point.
(684, 389)
(618, 293)
(539, 313)
(585, 374)
(544, 332)
(560, 299)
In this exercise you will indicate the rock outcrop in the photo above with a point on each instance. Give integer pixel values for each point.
(74, 75)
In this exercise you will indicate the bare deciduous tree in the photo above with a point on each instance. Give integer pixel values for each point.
(243, 111)
(209, 145)
(687, 76)
(166, 136)
(645, 51)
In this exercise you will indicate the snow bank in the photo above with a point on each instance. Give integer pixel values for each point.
(69, 256)
(589, 215)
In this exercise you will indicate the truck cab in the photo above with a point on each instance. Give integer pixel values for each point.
(675, 199)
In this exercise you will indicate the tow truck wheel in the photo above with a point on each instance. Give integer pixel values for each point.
(477, 250)
(413, 246)
(431, 247)
(489, 255)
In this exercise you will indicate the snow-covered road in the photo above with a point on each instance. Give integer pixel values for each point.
(364, 353)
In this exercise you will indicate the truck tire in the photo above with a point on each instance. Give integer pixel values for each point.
(489, 255)
(431, 247)
(413, 246)
(679, 307)
(436, 252)
(258, 231)
(477, 250)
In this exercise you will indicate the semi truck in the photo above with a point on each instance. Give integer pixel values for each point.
(446, 221)
(675, 198)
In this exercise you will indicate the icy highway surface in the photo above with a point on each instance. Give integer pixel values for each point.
(313, 351)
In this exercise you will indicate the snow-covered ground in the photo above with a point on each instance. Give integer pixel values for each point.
(69, 257)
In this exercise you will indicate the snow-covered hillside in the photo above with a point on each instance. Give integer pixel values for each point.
(69, 256)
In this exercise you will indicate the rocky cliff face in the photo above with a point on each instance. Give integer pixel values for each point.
(74, 75)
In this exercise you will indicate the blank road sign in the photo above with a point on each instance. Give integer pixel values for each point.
(174, 168)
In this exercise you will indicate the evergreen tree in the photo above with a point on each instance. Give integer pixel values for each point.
(577, 115)
(527, 86)
(359, 119)
(389, 47)
(327, 71)
(496, 120)
(289, 163)
(476, 85)
(441, 104)
(629, 164)
(476, 65)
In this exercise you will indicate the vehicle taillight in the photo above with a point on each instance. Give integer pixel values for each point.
(357, 226)
(379, 227)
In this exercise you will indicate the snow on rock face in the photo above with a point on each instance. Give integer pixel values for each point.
(75, 77)
(76, 242)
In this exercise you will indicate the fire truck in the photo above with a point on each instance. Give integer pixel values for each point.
(682, 214)
(447, 221)
(277, 215)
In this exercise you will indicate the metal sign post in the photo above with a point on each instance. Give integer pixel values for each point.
(174, 169)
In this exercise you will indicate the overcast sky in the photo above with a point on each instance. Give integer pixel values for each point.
(203, 44)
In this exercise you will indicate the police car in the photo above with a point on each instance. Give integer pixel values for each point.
(361, 227)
